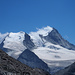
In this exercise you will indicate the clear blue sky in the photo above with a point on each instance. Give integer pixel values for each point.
(27, 15)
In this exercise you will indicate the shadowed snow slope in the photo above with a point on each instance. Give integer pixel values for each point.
(29, 58)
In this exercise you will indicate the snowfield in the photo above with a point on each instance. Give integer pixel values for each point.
(54, 54)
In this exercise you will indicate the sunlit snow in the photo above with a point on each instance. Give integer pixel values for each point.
(15, 42)
(35, 35)
(54, 54)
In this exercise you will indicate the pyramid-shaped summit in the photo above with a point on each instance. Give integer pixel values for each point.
(49, 34)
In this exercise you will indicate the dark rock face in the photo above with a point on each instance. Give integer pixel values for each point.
(30, 59)
(55, 38)
(10, 66)
(27, 42)
(70, 70)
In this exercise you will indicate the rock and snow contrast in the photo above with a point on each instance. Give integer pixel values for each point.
(30, 59)
(36, 35)
(14, 42)
(52, 36)
(11, 66)
(52, 48)
(46, 43)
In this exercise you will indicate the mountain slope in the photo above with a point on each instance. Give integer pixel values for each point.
(55, 57)
(30, 59)
(15, 43)
(51, 47)
(51, 35)
(55, 38)
(10, 66)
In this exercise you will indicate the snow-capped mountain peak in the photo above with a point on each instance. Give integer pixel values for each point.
(15, 43)
(48, 34)
(44, 31)
(13, 40)
(36, 35)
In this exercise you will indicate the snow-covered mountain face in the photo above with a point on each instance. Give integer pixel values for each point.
(36, 36)
(46, 43)
(10, 66)
(52, 48)
(15, 43)
(18, 45)
(51, 35)
(55, 56)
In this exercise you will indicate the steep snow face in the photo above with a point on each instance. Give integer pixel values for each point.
(14, 42)
(36, 35)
